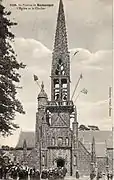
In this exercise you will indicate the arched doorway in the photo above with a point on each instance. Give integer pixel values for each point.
(60, 162)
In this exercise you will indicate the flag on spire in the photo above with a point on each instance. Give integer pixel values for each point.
(75, 53)
(35, 78)
(81, 76)
(84, 91)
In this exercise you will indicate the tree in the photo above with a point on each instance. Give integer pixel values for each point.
(9, 76)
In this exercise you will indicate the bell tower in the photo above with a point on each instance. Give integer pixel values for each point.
(60, 72)
(60, 108)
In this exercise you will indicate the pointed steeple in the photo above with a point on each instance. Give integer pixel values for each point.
(60, 72)
(24, 144)
(42, 93)
(60, 52)
(93, 152)
(24, 151)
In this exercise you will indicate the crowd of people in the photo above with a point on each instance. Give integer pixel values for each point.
(19, 172)
(24, 172)
(99, 175)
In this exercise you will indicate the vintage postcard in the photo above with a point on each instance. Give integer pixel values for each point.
(62, 49)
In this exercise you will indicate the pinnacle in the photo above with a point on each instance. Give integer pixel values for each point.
(42, 86)
(42, 92)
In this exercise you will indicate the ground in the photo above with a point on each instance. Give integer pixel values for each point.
(81, 178)
(73, 178)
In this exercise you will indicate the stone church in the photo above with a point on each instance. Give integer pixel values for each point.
(54, 142)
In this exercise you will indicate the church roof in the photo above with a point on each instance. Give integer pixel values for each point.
(84, 136)
(29, 137)
(103, 139)
(100, 137)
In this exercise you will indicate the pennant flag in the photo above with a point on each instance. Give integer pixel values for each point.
(35, 78)
(85, 91)
(75, 53)
(81, 76)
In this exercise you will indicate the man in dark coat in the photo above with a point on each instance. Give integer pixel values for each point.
(77, 174)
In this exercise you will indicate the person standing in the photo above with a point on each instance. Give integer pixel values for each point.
(77, 174)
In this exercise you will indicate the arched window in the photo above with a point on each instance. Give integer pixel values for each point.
(67, 141)
(43, 160)
(53, 141)
(60, 141)
(75, 160)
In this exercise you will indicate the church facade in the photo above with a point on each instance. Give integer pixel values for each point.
(54, 143)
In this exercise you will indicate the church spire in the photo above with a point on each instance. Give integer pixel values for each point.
(93, 153)
(60, 46)
(60, 72)
(61, 35)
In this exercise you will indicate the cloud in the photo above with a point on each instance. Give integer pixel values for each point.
(88, 59)
(91, 29)
(94, 66)
(92, 104)
(92, 108)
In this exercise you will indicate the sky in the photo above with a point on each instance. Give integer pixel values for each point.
(89, 28)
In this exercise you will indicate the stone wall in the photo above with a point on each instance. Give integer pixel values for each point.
(53, 154)
(84, 160)
(33, 159)
(57, 133)
(19, 155)
(101, 164)
(111, 158)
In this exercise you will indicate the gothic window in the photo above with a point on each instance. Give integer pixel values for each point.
(64, 89)
(53, 141)
(67, 141)
(57, 97)
(56, 89)
(60, 141)
(49, 118)
(75, 160)
(56, 83)
(43, 160)
(60, 68)
(56, 72)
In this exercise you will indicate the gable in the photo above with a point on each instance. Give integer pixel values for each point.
(59, 120)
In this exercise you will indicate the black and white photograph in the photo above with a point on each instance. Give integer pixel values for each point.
(56, 90)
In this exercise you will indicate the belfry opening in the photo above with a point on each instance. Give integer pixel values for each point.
(60, 162)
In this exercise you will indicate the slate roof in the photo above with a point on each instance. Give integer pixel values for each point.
(84, 136)
(102, 139)
(29, 137)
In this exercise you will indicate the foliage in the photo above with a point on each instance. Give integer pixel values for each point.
(9, 76)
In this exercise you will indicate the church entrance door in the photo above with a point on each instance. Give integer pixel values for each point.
(60, 162)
